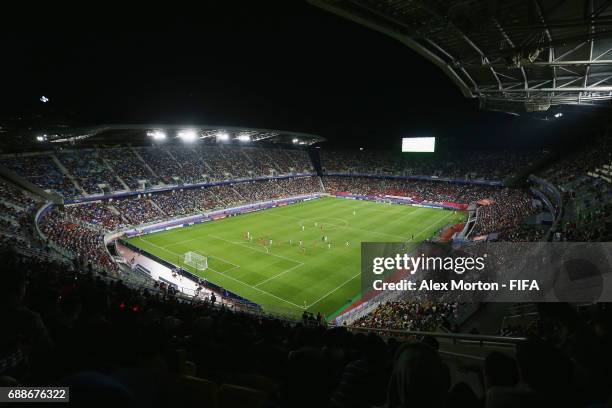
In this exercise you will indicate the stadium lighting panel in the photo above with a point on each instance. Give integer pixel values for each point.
(419, 144)
(188, 135)
(156, 134)
(244, 138)
(222, 137)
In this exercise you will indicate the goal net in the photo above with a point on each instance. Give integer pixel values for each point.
(200, 262)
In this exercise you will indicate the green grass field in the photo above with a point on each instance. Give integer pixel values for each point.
(290, 279)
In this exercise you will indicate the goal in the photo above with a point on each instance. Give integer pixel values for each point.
(200, 262)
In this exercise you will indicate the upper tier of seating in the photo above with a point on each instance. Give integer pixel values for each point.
(485, 165)
(73, 173)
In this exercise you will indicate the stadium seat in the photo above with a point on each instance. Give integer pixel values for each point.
(257, 382)
(194, 392)
(234, 396)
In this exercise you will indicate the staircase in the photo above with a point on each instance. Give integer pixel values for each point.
(65, 172)
(144, 163)
(316, 160)
(154, 204)
(110, 168)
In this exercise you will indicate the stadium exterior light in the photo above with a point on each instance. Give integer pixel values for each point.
(222, 137)
(188, 135)
(244, 138)
(156, 134)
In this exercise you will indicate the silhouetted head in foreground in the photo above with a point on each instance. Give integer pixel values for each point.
(419, 378)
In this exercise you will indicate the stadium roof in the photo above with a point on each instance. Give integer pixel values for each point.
(141, 133)
(513, 55)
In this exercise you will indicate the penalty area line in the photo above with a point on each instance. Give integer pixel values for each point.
(231, 278)
(332, 291)
(278, 274)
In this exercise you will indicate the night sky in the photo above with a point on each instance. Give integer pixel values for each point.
(284, 65)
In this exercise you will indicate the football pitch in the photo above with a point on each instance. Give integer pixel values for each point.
(318, 276)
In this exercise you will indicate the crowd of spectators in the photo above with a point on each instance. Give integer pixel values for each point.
(487, 165)
(505, 213)
(89, 170)
(418, 190)
(129, 167)
(112, 344)
(190, 161)
(16, 214)
(41, 171)
(185, 202)
(585, 180)
(75, 329)
(84, 244)
(163, 163)
(16, 197)
(138, 210)
(110, 215)
(97, 214)
(408, 314)
(167, 164)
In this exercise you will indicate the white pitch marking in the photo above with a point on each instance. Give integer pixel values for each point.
(332, 291)
(279, 274)
(256, 250)
(231, 277)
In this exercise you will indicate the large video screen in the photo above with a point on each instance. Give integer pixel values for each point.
(419, 144)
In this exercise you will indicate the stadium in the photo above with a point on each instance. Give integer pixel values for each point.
(176, 261)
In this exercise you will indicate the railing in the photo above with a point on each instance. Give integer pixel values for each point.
(480, 339)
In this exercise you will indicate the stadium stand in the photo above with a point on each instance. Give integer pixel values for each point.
(130, 168)
(69, 328)
(17, 214)
(581, 180)
(260, 359)
(42, 171)
(125, 168)
(486, 165)
(89, 170)
(83, 244)
(424, 191)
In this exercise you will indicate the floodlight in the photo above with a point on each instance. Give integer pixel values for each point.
(222, 136)
(244, 138)
(558, 115)
(156, 134)
(295, 140)
(41, 138)
(188, 135)
(44, 99)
